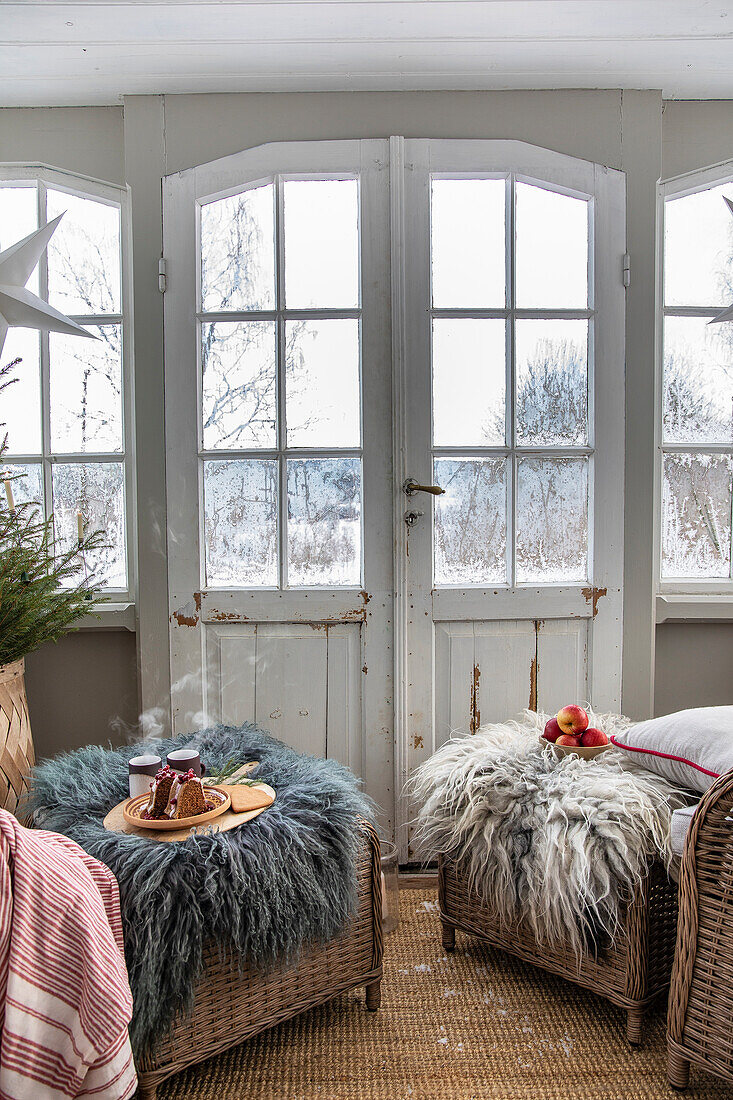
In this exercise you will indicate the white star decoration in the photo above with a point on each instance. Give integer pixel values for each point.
(19, 308)
(725, 314)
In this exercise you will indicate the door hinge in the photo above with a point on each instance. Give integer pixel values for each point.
(162, 276)
(627, 269)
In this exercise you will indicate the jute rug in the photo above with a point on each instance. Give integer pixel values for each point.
(472, 1025)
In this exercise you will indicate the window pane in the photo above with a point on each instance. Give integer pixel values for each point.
(96, 489)
(84, 255)
(698, 249)
(238, 251)
(324, 521)
(321, 244)
(470, 521)
(469, 382)
(552, 520)
(552, 249)
(20, 403)
(240, 522)
(239, 384)
(18, 218)
(25, 485)
(552, 382)
(468, 243)
(696, 516)
(86, 391)
(698, 381)
(322, 381)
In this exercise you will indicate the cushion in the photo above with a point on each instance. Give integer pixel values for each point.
(691, 748)
(681, 820)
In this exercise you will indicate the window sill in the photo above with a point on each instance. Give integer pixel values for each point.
(697, 608)
(109, 616)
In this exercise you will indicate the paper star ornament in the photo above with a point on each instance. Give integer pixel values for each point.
(19, 308)
(725, 314)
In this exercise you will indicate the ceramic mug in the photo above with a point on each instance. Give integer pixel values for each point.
(143, 770)
(181, 760)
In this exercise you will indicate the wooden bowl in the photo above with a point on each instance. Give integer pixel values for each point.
(134, 806)
(587, 752)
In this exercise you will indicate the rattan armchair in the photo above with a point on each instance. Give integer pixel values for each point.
(700, 1019)
(233, 1003)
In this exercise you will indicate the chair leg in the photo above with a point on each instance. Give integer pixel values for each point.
(448, 936)
(634, 1018)
(374, 995)
(678, 1070)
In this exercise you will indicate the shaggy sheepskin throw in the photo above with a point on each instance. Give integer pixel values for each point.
(557, 843)
(285, 879)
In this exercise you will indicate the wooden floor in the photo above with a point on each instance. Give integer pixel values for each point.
(465, 1026)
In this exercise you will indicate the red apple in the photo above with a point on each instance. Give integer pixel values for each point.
(592, 737)
(568, 739)
(552, 730)
(572, 719)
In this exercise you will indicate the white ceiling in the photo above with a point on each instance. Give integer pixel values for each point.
(97, 51)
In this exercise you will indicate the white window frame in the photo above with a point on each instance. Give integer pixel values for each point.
(683, 600)
(119, 608)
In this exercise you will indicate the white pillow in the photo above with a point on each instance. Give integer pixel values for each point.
(691, 748)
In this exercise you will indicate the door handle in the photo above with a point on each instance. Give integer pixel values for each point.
(411, 486)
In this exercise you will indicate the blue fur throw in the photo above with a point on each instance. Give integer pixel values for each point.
(269, 887)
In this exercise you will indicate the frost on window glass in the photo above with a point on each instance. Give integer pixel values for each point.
(469, 382)
(238, 251)
(698, 249)
(25, 484)
(20, 402)
(96, 489)
(239, 390)
(467, 232)
(698, 381)
(86, 391)
(696, 516)
(321, 231)
(324, 521)
(83, 255)
(551, 249)
(470, 521)
(552, 520)
(551, 382)
(240, 522)
(322, 383)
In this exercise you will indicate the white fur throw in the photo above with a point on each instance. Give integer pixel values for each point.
(557, 843)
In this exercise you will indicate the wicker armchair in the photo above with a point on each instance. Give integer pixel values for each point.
(630, 974)
(700, 1019)
(233, 1004)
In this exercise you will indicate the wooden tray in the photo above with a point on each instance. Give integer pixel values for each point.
(133, 807)
(116, 823)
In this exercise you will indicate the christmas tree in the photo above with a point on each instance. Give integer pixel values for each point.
(43, 589)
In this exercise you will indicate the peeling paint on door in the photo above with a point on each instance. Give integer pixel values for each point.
(475, 719)
(593, 595)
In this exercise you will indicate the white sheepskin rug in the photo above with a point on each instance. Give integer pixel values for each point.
(558, 843)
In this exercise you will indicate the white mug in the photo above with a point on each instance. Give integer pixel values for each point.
(183, 760)
(143, 770)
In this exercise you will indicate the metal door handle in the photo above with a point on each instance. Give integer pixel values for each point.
(411, 486)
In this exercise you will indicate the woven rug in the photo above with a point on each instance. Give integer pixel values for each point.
(472, 1025)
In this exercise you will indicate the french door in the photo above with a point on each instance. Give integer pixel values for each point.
(345, 323)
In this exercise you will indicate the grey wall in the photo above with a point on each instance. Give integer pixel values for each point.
(154, 135)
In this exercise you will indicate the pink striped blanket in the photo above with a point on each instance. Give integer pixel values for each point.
(65, 1001)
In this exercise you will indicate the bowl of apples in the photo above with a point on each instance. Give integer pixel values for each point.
(570, 733)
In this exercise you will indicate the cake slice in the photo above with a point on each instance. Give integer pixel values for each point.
(160, 794)
(189, 796)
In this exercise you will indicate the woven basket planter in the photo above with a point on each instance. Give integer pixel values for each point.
(16, 744)
(700, 1018)
(630, 974)
(232, 1002)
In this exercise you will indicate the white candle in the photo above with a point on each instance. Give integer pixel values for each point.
(9, 495)
(80, 526)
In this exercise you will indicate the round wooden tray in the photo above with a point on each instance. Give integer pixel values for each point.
(133, 807)
(116, 823)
